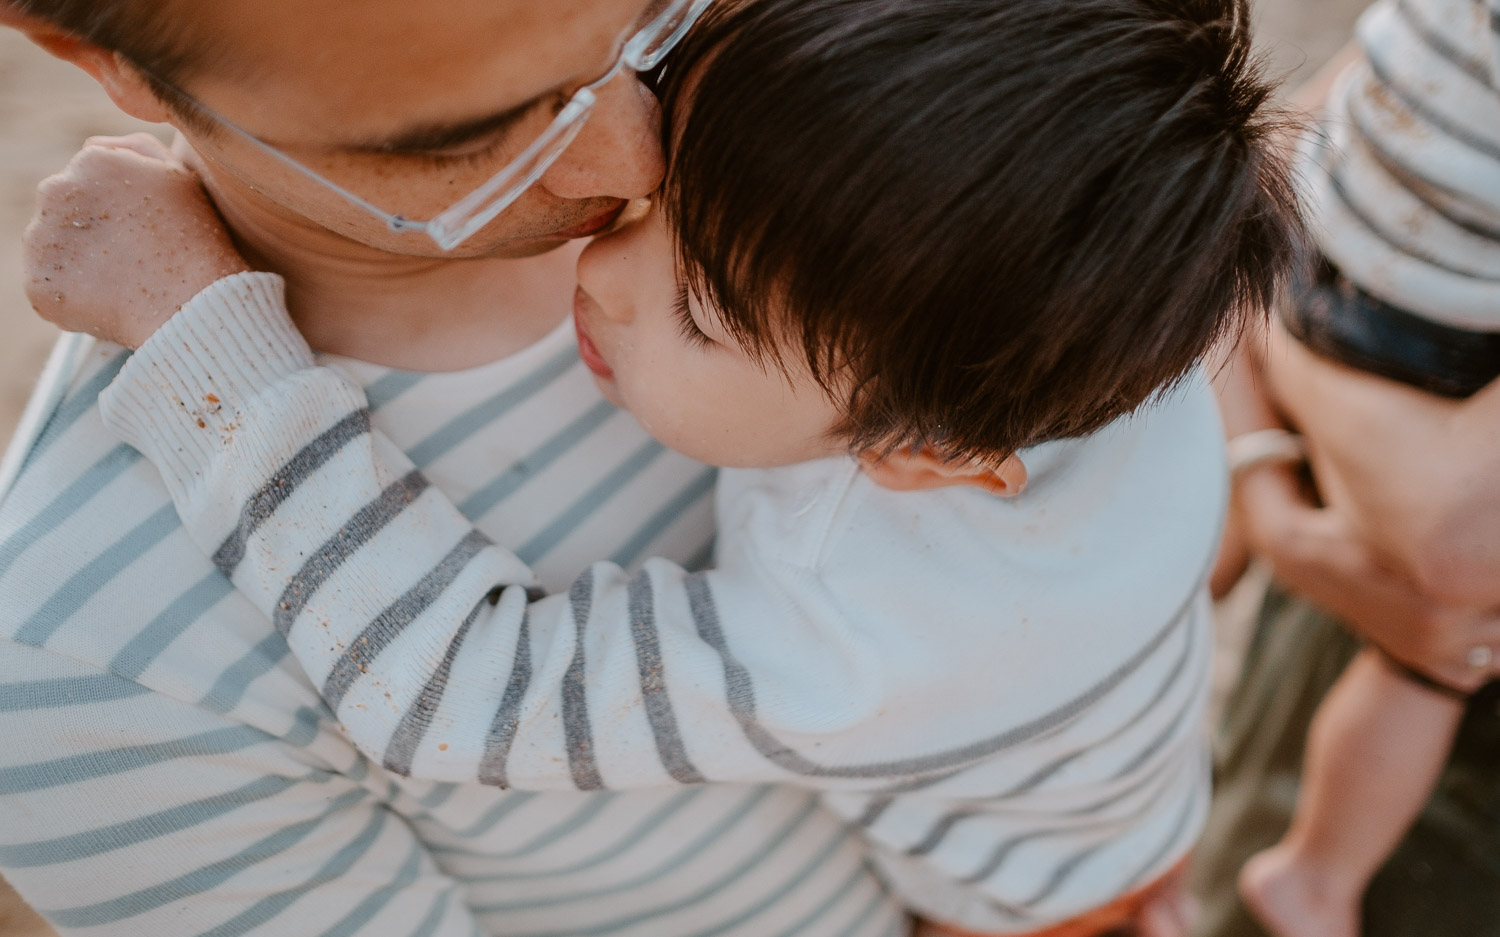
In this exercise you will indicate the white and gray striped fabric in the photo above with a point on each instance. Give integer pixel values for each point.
(167, 769)
(1402, 183)
(1005, 693)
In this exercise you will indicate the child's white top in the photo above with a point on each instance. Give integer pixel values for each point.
(1007, 694)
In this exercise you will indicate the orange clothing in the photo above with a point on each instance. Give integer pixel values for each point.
(1118, 915)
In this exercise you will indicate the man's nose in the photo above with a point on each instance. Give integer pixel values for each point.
(618, 152)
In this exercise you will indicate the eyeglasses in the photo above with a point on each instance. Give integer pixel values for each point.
(640, 53)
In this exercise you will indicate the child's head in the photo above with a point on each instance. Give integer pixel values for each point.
(965, 225)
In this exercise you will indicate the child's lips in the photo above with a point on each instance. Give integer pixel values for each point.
(588, 352)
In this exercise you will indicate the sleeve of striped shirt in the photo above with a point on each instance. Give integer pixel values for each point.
(126, 813)
(425, 638)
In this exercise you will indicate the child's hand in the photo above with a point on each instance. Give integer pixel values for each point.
(121, 239)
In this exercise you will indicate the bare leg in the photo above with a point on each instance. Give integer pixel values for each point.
(1376, 748)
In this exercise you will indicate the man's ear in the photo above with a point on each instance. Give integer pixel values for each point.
(924, 470)
(124, 83)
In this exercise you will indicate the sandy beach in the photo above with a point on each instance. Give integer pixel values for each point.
(47, 109)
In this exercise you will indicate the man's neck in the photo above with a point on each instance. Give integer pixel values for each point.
(413, 313)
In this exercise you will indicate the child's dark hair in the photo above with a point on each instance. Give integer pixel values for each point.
(999, 221)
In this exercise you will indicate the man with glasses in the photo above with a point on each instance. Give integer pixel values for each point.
(416, 172)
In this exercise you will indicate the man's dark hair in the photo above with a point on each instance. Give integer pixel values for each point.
(1000, 221)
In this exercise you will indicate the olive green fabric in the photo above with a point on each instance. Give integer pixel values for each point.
(1444, 880)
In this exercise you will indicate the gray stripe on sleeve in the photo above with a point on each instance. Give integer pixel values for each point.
(1442, 47)
(1065, 870)
(389, 625)
(1061, 874)
(940, 830)
(1414, 103)
(413, 726)
(1179, 667)
(669, 746)
(741, 697)
(1003, 851)
(370, 520)
(280, 486)
(575, 703)
(1408, 245)
(508, 716)
(1189, 807)
(932, 840)
(874, 810)
(1372, 139)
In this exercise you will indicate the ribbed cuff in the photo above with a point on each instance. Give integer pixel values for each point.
(178, 398)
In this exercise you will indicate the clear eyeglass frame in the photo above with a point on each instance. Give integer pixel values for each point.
(640, 53)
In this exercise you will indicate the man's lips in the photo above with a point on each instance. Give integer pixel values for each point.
(588, 352)
(594, 225)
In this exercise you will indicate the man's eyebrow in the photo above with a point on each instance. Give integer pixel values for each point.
(427, 138)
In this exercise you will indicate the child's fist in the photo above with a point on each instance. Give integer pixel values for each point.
(121, 239)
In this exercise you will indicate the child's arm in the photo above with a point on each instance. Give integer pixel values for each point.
(424, 636)
(421, 633)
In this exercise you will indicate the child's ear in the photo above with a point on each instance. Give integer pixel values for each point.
(923, 470)
(124, 84)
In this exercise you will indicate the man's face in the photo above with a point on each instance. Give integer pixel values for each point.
(413, 105)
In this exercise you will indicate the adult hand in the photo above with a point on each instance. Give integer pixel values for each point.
(1417, 476)
(121, 239)
(1318, 554)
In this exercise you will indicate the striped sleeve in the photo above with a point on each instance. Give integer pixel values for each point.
(442, 661)
(430, 642)
(1402, 180)
(124, 812)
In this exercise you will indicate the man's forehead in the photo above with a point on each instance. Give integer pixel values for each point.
(367, 69)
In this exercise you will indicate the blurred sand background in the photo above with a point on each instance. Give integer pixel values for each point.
(47, 109)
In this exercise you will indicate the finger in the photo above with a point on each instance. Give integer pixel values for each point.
(96, 165)
(1273, 506)
(142, 143)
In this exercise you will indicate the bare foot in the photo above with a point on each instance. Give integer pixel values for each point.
(1294, 897)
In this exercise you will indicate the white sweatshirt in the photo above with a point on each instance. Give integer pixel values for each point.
(1006, 694)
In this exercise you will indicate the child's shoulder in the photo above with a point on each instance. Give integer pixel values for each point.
(1137, 506)
(1131, 514)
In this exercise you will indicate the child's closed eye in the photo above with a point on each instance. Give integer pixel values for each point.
(688, 326)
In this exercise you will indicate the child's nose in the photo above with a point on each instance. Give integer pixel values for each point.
(604, 274)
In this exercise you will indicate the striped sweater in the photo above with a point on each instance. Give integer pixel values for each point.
(168, 769)
(1004, 694)
(1402, 183)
